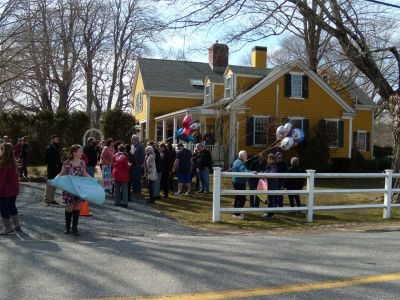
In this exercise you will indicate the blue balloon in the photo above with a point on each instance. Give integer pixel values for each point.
(298, 135)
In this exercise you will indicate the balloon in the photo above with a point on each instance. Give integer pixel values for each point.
(287, 143)
(280, 132)
(288, 127)
(187, 131)
(186, 121)
(298, 135)
(195, 126)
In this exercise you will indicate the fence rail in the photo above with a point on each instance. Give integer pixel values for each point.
(310, 191)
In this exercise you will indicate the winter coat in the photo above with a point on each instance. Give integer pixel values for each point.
(150, 170)
(294, 183)
(204, 160)
(91, 154)
(239, 166)
(53, 160)
(273, 183)
(106, 157)
(137, 150)
(165, 162)
(121, 167)
(9, 182)
(282, 168)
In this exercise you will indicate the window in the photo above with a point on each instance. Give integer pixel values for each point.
(332, 133)
(196, 82)
(297, 89)
(139, 102)
(260, 132)
(361, 140)
(297, 123)
(228, 87)
(208, 93)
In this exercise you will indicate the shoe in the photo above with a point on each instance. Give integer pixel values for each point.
(150, 201)
(54, 203)
(267, 216)
(240, 217)
(16, 222)
(201, 191)
(8, 227)
(157, 198)
(187, 193)
(165, 197)
(75, 232)
(177, 193)
(124, 205)
(117, 204)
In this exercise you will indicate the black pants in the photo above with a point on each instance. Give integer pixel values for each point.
(272, 202)
(150, 187)
(8, 207)
(164, 183)
(240, 200)
(23, 168)
(293, 198)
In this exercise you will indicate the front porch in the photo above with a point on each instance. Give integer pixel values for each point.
(166, 125)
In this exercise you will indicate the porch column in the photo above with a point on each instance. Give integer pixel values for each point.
(164, 130)
(175, 129)
(350, 136)
(232, 137)
(155, 131)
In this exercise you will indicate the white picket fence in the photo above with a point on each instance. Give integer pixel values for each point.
(387, 191)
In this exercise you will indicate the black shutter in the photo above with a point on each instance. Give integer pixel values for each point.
(340, 134)
(288, 85)
(306, 128)
(355, 140)
(368, 141)
(305, 86)
(249, 131)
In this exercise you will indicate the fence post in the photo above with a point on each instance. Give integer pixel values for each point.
(310, 188)
(387, 198)
(217, 195)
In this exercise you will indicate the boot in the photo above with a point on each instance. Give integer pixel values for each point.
(8, 227)
(68, 217)
(17, 224)
(75, 220)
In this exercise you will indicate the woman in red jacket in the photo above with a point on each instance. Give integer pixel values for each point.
(9, 189)
(120, 173)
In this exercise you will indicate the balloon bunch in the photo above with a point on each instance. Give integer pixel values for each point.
(289, 137)
(185, 132)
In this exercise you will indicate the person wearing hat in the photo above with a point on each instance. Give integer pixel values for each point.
(183, 167)
(282, 168)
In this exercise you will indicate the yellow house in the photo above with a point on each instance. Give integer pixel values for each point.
(240, 107)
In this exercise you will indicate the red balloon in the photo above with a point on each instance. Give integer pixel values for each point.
(186, 121)
(187, 131)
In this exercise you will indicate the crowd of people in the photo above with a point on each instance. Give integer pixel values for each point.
(271, 163)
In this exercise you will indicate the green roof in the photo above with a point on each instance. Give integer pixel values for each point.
(174, 76)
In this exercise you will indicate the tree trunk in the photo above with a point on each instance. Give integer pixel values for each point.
(394, 106)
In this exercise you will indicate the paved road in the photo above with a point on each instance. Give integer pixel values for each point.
(138, 252)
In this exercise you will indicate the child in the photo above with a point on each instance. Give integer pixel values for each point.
(9, 189)
(150, 170)
(74, 166)
(120, 172)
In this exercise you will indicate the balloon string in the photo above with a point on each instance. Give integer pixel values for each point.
(270, 147)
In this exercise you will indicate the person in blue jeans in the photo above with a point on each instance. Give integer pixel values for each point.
(259, 166)
(203, 165)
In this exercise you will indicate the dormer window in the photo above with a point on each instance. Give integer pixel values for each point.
(228, 87)
(296, 85)
(208, 94)
(196, 82)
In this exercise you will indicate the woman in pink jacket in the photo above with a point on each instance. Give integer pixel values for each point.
(9, 189)
(121, 176)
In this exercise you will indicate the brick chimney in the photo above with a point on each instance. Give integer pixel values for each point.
(218, 57)
(259, 57)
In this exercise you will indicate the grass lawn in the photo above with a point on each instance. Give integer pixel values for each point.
(196, 210)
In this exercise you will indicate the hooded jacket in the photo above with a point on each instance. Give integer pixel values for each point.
(121, 167)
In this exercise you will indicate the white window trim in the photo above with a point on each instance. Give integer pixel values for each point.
(337, 128)
(254, 129)
(139, 102)
(300, 74)
(362, 131)
(210, 95)
(298, 118)
(231, 86)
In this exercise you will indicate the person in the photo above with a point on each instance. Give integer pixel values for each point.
(73, 166)
(273, 183)
(182, 167)
(107, 156)
(23, 159)
(150, 171)
(130, 158)
(9, 189)
(137, 151)
(239, 183)
(282, 168)
(90, 150)
(209, 138)
(259, 166)
(100, 149)
(120, 172)
(156, 183)
(6, 139)
(172, 157)
(54, 164)
(193, 172)
(203, 164)
(165, 169)
(17, 149)
(294, 183)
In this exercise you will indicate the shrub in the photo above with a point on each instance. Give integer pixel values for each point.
(117, 125)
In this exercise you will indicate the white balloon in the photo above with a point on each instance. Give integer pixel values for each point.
(288, 127)
(287, 143)
(280, 132)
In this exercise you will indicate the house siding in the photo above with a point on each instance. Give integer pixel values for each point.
(141, 116)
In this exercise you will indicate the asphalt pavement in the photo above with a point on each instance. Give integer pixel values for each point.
(138, 252)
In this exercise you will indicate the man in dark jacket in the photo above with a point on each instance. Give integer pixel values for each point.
(54, 164)
(282, 168)
(137, 151)
(294, 183)
(90, 151)
(203, 164)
